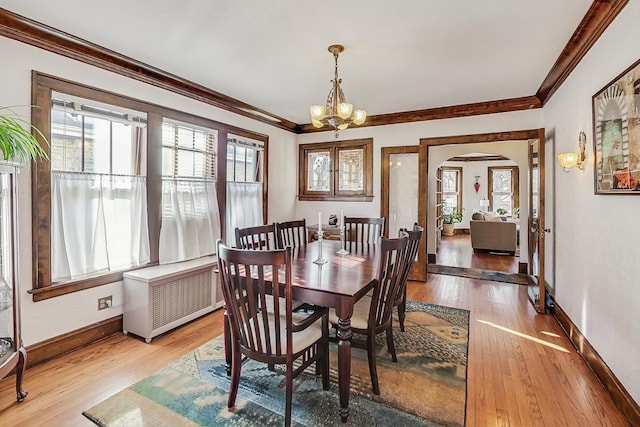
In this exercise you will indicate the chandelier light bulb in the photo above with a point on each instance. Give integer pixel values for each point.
(318, 112)
(359, 116)
(344, 110)
(317, 123)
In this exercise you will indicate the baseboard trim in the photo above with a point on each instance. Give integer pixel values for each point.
(62, 344)
(619, 394)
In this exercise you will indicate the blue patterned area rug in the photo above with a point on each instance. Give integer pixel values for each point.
(427, 387)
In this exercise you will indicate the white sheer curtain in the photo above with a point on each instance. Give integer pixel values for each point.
(190, 221)
(98, 224)
(244, 207)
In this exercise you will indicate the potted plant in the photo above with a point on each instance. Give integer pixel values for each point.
(450, 215)
(516, 213)
(18, 142)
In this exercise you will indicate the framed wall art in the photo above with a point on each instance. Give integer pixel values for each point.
(616, 130)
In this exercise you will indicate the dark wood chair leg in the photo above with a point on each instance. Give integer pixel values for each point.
(390, 346)
(324, 348)
(373, 370)
(227, 341)
(402, 308)
(236, 367)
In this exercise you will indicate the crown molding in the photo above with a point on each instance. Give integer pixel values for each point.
(595, 22)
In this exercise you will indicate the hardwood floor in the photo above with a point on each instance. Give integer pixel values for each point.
(456, 251)
(522, 369)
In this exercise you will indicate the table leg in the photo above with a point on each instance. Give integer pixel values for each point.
(344, 364)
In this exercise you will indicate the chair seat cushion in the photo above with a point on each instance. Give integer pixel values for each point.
(301, 339)
(360, 317)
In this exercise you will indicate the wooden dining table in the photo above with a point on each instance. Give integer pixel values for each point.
(338, 284)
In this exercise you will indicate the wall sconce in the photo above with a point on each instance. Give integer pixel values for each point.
(569, 160)
(477, 184)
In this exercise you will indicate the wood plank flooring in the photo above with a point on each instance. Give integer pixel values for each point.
(456, 251)
(522, 369)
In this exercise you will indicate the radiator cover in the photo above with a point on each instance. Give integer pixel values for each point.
(160, 298)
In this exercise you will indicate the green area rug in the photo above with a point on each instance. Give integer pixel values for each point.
(426, 387)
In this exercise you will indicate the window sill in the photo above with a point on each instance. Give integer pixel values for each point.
(361, 198)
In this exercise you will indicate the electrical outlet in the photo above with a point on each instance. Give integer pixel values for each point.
(105, 302)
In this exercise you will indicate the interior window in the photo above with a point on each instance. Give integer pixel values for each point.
(336, 170)
(504, 184)
(190, 222)
(96, 153)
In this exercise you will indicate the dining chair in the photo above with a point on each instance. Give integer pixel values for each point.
(292, 233)
(259, 237)
(372, 313)
(362, 230)
(274, 336)
(413, 243)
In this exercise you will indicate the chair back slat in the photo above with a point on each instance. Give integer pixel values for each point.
(362, 231)
(259, 237)
(389, 270)
(292, 233)
(414, 236)
(253, 300)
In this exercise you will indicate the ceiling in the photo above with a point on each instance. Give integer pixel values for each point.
(399, 56)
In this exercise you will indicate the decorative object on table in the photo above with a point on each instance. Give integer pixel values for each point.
(333, 219)
(336, 112)
(569, 160)
(343, 250)
(320, 260)
(484, 204)
(616, 130)
(476, 185)
(17, 142)
(432, 359)
(450, 215)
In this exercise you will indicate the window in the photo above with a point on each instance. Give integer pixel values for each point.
(245, 187)
(336, 170)
(98, 194)
(451, 187)
(190, 222)
(140, 167)
(504, 187)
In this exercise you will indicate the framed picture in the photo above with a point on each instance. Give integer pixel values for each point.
(616, 130)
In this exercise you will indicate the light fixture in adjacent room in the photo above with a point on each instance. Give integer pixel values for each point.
(336, 112)
(569, 160)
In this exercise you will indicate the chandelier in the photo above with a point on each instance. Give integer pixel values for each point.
(336, 112)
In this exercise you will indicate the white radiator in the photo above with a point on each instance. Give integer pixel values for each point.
(160, 298)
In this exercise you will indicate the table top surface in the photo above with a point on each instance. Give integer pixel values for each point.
(349, 275)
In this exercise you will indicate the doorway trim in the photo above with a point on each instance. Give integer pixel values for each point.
(425, 143)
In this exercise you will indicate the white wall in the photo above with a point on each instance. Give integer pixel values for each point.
(56, 316)
(597, 279)
(408, 134)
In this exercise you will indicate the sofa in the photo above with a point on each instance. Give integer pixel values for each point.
(489, 232)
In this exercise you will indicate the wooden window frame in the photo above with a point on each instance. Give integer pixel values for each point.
(458, 184)
(515, 184)
(42, 87)
(334, 149)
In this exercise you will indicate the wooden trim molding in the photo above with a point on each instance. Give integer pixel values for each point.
(463, 110)
(31, 32)
(20, 28)
(621, 397)
(62, 344)
(595, 22)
